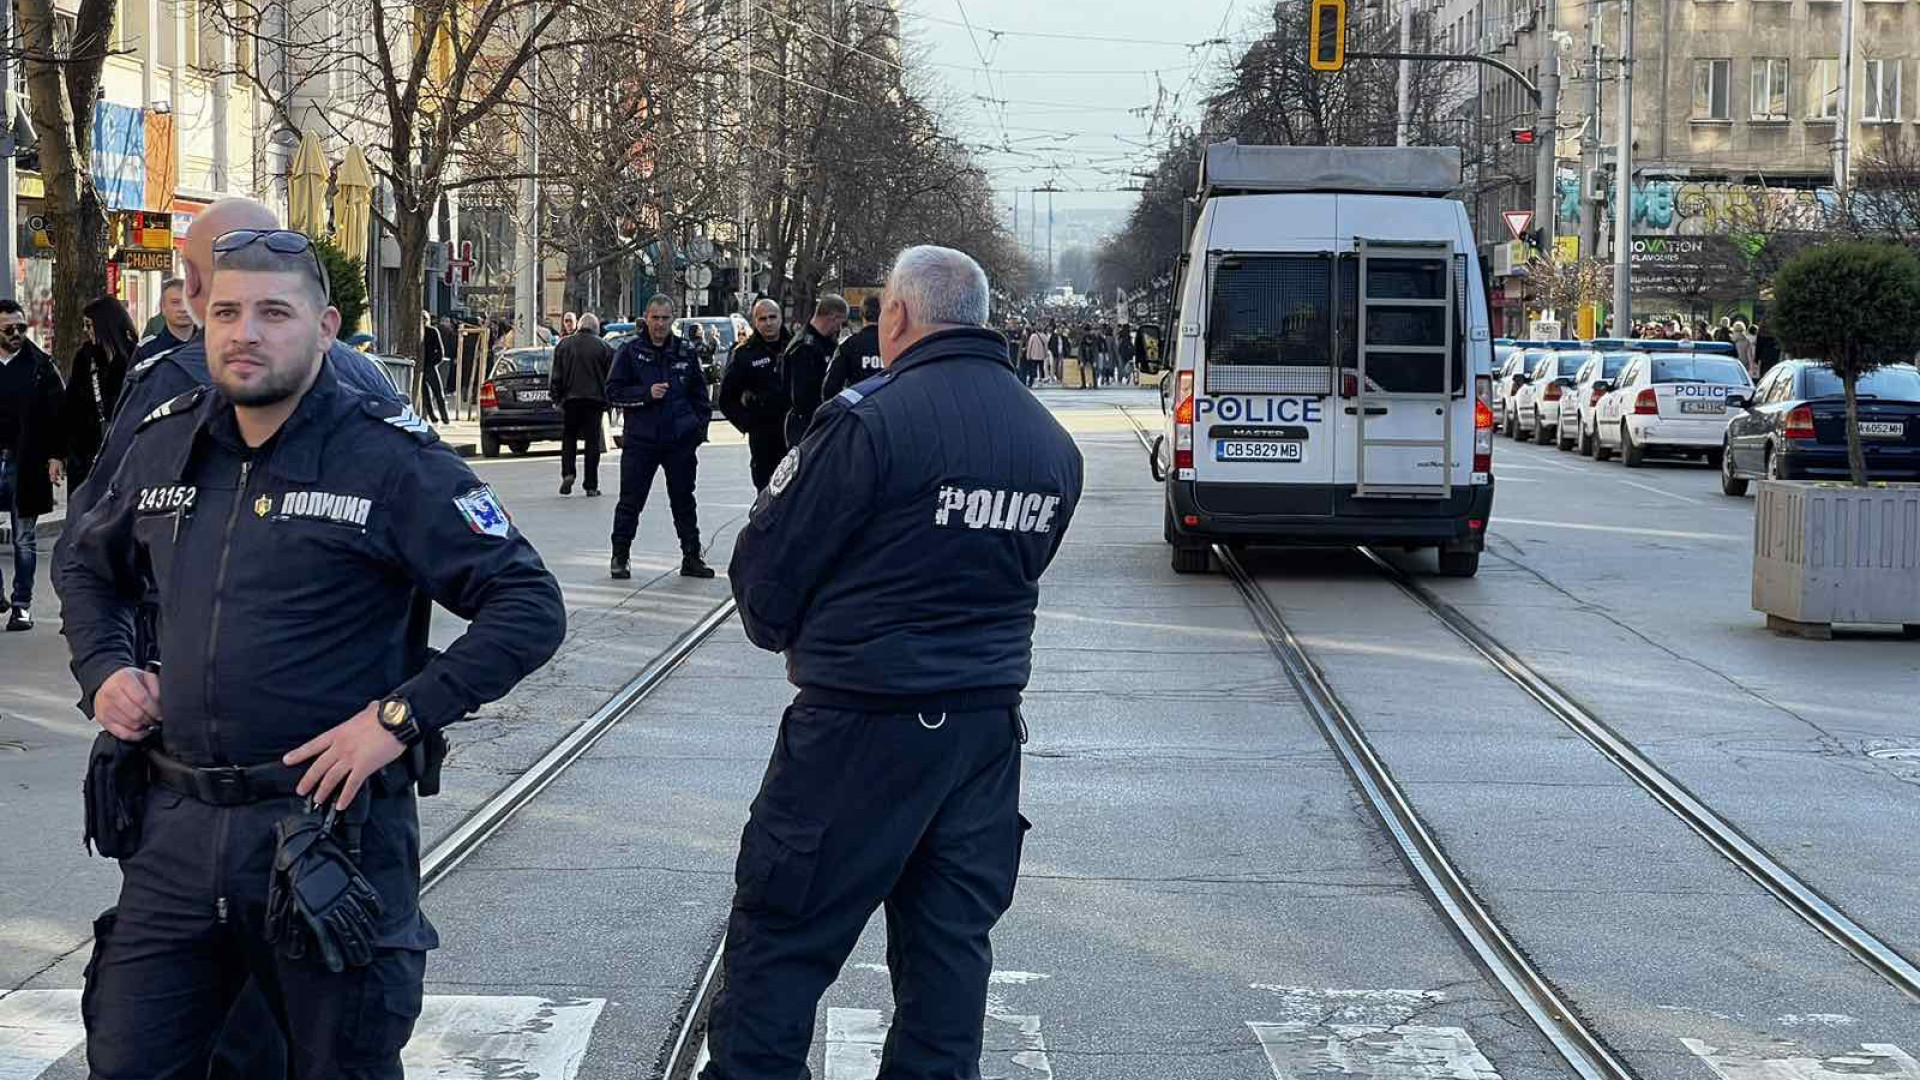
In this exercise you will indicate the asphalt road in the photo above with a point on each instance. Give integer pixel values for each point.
(1203, 895)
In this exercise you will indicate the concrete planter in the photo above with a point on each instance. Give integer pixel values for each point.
(1826, 553)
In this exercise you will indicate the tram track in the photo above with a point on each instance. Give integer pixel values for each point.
(1510, 967)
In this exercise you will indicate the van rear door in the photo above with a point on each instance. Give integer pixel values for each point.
(1263, 441)
(1410, 379)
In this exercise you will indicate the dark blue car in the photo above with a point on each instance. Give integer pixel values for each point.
(1794, 426)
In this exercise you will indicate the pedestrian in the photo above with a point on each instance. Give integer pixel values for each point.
(1089, 356)
(1743, 347)
(1123, 353)
(569, 323)
(858, 358)
(1724, 331)
(235, 877)
(578, 388)
(1061, 344)
(100, 369)
(32, 449)
(657, 384)
(433, 352)
(1105, 362)
(1766, 347)
(1036, 358)
(752, 396)
(803, 367)
(176, 321)
(895, 560)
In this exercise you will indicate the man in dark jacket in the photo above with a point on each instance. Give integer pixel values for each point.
(657, 383)
(803, 370)
(579, 388)
(858, 358)
(895, 559)
(751, 396)
(176, 321)
(32, 447)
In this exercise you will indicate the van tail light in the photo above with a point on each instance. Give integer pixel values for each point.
(1482, 425)
(1183, 421)
(1646, 403)
(1552, 392)
(1800, 424)
(489, 397)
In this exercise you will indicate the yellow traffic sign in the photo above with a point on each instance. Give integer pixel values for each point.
(1327, 35)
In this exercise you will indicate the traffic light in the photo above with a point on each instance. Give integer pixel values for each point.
(1327, 35)
(1523, 136)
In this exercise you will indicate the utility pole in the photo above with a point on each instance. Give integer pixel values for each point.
(9, 258)
(1403, 128)
(744, 176)
(531, 278)
(1590, 231)
(1049, 235)
(1547, 135)
(1843, 123)
(1623, 186)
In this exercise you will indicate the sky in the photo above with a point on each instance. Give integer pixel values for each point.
(1081, 110)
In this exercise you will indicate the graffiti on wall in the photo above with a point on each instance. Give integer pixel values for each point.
(1711, 208)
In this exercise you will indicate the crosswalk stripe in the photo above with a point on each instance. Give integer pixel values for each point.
(458, 1037)
(1403, 1052)
(37, 1028)
(1013, 1049)
(1778, 1062)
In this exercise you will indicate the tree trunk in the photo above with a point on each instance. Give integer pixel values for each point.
(411, 293)
(1856, 454)
(61, 96)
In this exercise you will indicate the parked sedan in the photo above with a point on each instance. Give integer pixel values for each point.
(1518, 371)
(1580, 411)
(1795, 426)
(1671, 402)
(1543, 400)
(516, 406)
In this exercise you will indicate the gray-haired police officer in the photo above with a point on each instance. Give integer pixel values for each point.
(286, 521)
(656, 382)
(895, 557)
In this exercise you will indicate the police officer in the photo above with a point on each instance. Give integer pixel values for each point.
(656, 380)
(751, 396)
(803, 369)
(895, 558)
(858, 358)
(285, 520)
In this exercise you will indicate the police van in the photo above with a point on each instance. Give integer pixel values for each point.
(1332, 360)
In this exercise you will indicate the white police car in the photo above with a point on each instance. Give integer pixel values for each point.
(1542, 400)
(1669, 402)
(1580, 410)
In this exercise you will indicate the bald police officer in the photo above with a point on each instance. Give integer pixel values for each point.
(252, 510)
(751, 396)
(895, 558)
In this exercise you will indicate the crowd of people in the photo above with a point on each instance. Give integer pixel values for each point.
(1757, 347)
(1100, 354)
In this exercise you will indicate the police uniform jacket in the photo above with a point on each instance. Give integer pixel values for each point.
(855, 361)
(284, 574)
(896, 554)
(803, 370)
(678, 419)
(751, 395)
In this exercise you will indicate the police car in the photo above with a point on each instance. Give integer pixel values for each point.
(1580, 408)
(1332, 362)
(1506, 362)
(1539, 402)
(1669, 402)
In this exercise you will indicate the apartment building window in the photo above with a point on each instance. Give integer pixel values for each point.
(1711, 90)
(1882, 91)
(1769, 88)
(1823, 89)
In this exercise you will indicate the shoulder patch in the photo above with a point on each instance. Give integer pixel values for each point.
(784, 475)
(863, 389)
(174, 406)
(399, 415)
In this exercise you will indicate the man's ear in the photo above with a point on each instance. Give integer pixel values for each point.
(330, 323)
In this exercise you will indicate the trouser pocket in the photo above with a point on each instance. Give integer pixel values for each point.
(102, 941)
(779, 852)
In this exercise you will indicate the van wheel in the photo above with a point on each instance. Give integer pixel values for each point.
(1190, 560)
(1630, 453)
(1459, 563)
(1730, 484)
(489, 445)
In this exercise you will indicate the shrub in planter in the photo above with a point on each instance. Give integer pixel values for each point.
(1857, 306)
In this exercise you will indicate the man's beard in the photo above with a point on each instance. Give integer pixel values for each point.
(275, 388)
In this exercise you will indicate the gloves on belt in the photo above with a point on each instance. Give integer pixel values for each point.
(318, 898)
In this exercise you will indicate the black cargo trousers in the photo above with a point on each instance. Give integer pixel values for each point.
(916, 813)
(171, 957)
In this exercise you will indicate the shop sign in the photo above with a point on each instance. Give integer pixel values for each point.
(140, 259)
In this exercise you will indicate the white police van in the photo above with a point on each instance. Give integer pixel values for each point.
(1332, 358)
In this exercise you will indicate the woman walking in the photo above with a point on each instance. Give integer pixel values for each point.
(99, 370)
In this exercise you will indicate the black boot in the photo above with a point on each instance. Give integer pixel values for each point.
(619, 570)
(566, 484)
(691, 565)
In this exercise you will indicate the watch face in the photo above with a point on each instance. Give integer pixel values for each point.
(393, 714)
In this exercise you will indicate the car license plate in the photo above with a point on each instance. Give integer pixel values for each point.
(1258, 450)
(1884, 429)
(1714, 407)
(533, 395)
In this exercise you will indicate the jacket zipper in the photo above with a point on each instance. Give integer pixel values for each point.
(219, 593)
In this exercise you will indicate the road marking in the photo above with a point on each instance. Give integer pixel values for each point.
(458, 1037)
(37, 1028)
(1367, 1008)
(1013, 1049)
(1778, 1062)
(1660, 491)
(1670, 534)
(1404, 1052)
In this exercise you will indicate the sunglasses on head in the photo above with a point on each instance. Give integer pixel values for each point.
(278, 241)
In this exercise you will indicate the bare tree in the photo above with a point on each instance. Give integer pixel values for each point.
(63, 83)
(1884, 202)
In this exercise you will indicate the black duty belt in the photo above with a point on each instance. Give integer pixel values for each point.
(226, 785)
